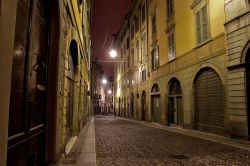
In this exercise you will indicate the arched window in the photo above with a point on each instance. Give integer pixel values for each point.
(155, 88)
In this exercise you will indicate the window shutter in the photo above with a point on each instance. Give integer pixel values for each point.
(198, 27)
(171, 47)
(204, 23)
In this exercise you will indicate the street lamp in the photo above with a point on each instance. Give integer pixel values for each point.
(104, 81)
(113, 53)
(109, 91)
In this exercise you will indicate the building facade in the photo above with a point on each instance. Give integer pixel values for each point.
(192, 73)
(45, 64)
(96, 87)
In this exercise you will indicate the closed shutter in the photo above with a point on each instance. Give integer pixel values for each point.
(198, 27)
(202, 25)
(209, 111)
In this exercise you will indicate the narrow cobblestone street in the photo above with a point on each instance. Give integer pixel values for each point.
(120, 142)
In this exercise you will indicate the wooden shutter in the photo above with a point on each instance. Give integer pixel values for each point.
(209, 111)
(171, 48)
(198, 27)
(204, 23)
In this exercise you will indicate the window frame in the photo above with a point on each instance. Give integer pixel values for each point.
(144, 44)
(198, 8)
(143, 13)
(154, 54)
(170, 8)
(171, 46)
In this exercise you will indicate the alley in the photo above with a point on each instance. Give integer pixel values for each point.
(120, 142)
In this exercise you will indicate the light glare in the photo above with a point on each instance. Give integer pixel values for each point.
(113, 53)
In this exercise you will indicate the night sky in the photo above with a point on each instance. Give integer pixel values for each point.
(107, 19)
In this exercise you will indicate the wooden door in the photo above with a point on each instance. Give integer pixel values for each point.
(156, 109)
(132, 106)
(179, 110)
(171, 107)
(143, 106)
(26, 145)
(209, 109)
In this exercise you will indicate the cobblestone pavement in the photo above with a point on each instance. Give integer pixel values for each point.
(123, 143)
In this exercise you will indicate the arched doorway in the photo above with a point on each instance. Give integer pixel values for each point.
(209, 99)
(175, 112)
(28, 98)
(72, 63)
(155, 106)
(248, 89)
(143, 106)
(132, 105)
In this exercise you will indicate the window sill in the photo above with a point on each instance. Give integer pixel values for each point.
(203, 43)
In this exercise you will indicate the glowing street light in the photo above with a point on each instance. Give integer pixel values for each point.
(104, 81)
(109, 91)
(113, 53)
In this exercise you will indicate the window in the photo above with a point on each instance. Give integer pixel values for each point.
(143, 74)
(153, 23)
(132, 57)
(128, 61)
(136, 23)
(170, 7)
(144, 45)
(132, 31)
(137, 51)
(143, 13)
(128, 43)
(155, 58)
(171, 47)
(202, 25)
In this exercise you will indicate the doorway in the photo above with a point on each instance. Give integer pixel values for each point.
(132, 105)
(119, 109)
(175, 112)
(155, 107)
(28, 98)
(209, 102)
(143, 106)
(248, 89)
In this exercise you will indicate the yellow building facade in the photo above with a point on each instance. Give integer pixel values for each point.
(186, 64)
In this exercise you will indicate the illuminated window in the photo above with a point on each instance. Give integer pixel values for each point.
(144, 75)
(171, 47)
(155, 58)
